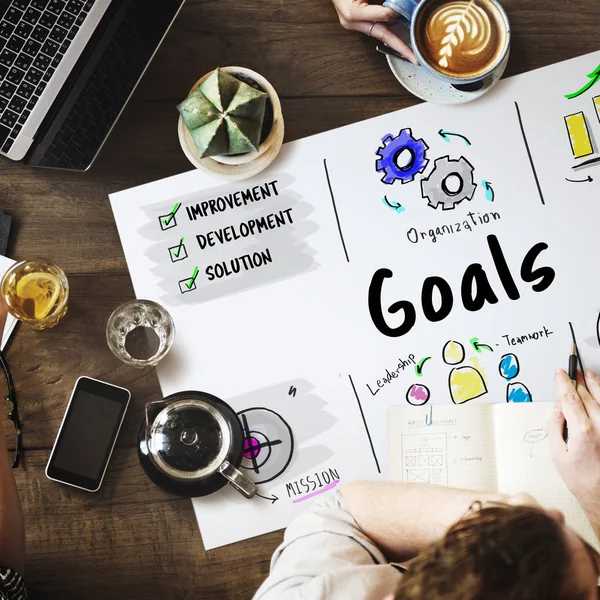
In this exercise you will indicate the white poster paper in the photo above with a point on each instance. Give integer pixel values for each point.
(435, 254)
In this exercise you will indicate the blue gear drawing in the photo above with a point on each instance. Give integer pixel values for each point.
(391, 149)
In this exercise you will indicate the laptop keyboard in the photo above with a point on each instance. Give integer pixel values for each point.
(86, 115)
(34, 36)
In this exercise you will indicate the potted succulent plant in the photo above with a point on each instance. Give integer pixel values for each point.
(231, 123)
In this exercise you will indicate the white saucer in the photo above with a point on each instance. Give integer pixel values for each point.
(420, 82)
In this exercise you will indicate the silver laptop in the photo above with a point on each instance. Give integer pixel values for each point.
(51, 55)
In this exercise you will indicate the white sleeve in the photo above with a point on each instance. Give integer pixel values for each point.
(326, 556)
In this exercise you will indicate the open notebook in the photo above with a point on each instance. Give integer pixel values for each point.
(493, 447)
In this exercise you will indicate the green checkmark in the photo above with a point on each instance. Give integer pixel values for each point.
(419, 366)
(176, 254)
(192, 279)
(171, 215)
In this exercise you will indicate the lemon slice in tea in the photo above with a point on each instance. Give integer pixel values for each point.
(42, 289)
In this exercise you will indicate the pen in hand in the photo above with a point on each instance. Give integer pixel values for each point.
(573, 377)
(573, 365)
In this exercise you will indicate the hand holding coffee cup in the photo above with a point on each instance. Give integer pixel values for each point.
(374, 21)
(459, 41)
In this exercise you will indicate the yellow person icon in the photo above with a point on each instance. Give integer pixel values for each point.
(466, 382)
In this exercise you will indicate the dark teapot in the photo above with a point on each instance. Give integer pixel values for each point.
(191, 444)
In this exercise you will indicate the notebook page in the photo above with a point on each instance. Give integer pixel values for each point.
(523, 462)
(457, 449)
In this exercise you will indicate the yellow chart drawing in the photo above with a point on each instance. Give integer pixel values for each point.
(579, 135)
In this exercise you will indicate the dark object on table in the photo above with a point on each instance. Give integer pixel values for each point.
(88, 433)
(5, 223)
(67, 70)
(469, 87)
(191, 444)
(13, 413)
(384, 49)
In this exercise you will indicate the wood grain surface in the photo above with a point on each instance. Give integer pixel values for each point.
(131, 540)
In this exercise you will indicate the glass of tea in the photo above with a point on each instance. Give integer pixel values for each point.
(36, 293)
(140, 333)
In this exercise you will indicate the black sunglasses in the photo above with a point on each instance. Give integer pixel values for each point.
(13, 413)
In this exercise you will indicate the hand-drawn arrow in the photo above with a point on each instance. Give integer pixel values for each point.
(489, 191)
(445, 136)
(397, 206)
(588, 178)
(477, 346)
(594, 77)
(273, 499)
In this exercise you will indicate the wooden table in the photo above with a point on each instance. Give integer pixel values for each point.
(131, 540)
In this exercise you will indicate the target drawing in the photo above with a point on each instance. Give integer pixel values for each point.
(268, 443)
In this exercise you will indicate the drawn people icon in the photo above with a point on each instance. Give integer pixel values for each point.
(465, 382)
(417, 394)
(515, 391)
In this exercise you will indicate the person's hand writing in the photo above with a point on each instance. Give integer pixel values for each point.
(578, 460)
(371, 19)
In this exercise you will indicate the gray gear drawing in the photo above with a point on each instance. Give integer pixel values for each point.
(435, 190)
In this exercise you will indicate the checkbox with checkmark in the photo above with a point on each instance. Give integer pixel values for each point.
(169, 221)
(189, 284)
(178, 252)
(183, 285)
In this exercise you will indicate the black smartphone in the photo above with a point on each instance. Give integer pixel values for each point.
(88, 434)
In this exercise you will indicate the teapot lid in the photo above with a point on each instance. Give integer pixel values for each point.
(189, 439)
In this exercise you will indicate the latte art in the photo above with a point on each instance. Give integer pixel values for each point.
(461, 38)
(467, 29)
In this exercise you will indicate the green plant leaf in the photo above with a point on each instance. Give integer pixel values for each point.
(211, 139)
(248, 103)
(243, 135)
(220, 87)
(196, 110)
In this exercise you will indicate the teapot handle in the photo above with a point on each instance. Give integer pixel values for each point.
(238, 480)
(152, 409)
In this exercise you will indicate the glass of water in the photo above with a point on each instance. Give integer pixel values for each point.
(140, 333)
